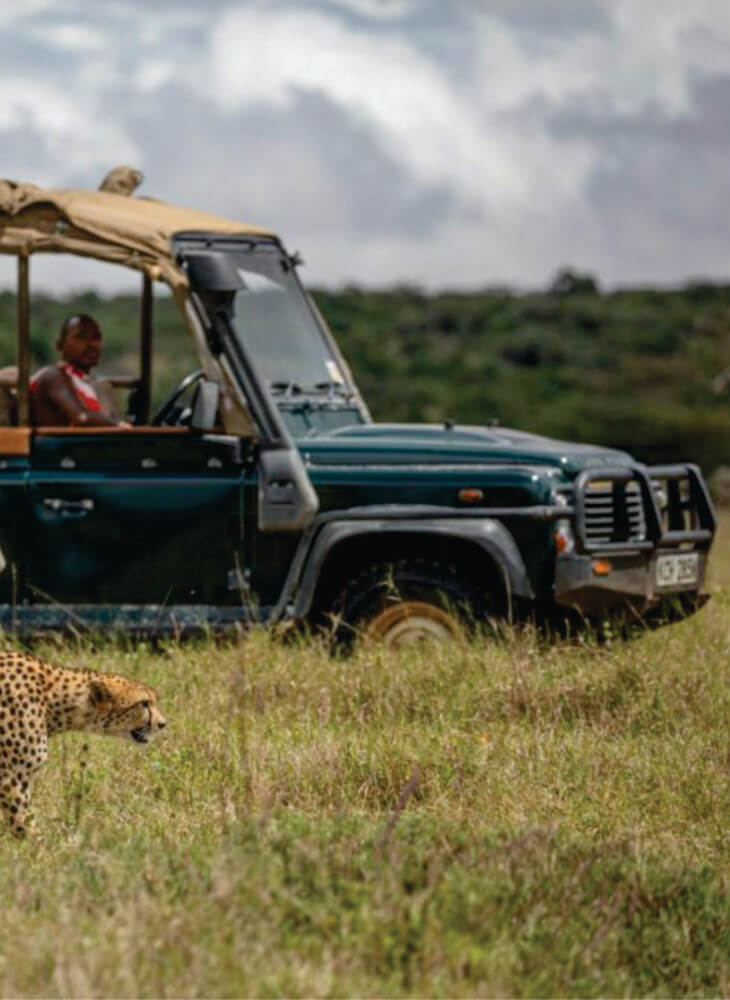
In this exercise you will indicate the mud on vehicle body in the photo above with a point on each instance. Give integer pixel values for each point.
(261, 490)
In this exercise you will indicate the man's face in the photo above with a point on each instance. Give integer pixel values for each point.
(82, 345)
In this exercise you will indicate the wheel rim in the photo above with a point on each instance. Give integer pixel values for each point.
(410, 622)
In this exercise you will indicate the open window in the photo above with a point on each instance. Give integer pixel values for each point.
(223, 392)
(148, 374)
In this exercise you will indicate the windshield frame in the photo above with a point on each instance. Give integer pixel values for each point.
(333, 392)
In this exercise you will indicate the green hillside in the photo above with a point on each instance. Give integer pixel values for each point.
(633, 369)
(636, 368)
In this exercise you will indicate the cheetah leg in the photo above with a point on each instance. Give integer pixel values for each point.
(15, 802)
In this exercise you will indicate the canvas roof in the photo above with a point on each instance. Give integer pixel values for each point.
(135, 232)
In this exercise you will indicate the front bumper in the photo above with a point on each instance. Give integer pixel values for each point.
(622, 529)
(630, 583)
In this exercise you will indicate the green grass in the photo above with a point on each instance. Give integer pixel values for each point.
(490, 819)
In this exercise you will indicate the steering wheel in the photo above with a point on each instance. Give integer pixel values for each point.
(169, 414)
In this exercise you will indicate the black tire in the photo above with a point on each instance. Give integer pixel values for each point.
(399, 603)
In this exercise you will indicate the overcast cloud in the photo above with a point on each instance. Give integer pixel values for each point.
(467, 142)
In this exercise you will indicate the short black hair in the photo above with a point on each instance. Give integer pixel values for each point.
(78, 319)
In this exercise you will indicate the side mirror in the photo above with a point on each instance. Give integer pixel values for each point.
(287, 500)
(204, 415)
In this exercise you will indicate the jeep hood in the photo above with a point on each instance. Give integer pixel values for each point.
(439, 444)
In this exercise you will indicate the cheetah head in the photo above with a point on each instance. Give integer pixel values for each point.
(125, 708)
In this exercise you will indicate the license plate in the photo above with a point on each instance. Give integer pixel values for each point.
(678, 570)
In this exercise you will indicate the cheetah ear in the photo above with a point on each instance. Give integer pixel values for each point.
(98, 693)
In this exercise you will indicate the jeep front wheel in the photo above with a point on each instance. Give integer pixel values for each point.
(398, 604)
(411, 621)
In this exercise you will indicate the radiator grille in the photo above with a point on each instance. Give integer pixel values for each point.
(614, 512)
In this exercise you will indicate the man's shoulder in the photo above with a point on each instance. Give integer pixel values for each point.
(47, 375)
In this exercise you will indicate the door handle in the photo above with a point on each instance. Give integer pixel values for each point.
(74, 508)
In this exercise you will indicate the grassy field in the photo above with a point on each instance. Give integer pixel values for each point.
(484, 820)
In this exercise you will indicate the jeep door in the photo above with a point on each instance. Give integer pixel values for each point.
(139, 516)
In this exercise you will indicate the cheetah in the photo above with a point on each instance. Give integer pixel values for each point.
(38, 700)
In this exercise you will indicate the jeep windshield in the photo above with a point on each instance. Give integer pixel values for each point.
(274, 321)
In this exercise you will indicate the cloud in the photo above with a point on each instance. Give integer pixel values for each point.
(378, 9)
(72, 133)
(440, 133)
(76, 38)
(381, 136)
(257, 57)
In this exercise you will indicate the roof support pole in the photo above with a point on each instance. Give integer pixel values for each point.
(145, 352)
(23, 357)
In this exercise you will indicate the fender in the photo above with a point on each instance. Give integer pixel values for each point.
(487, 533)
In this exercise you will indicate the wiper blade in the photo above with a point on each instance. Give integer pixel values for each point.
(285, 388)
(290, 389)
(334, 389)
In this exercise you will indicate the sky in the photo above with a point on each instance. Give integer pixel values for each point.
(441, 143)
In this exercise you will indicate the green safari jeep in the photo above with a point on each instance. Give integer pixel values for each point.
(261, 490)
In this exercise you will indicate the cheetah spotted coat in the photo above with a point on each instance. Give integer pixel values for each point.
(38, 700)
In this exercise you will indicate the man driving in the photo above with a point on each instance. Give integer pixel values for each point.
(65, 394)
